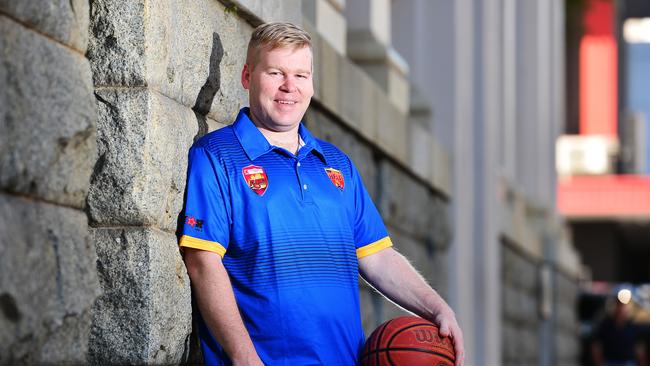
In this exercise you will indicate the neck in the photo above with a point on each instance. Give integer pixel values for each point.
(288, 140)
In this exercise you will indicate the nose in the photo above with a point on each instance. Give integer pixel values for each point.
(289, 85)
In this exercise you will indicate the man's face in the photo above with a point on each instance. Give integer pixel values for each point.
(280, 87)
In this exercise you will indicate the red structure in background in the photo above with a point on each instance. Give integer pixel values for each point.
(598, 71)
(604, 195)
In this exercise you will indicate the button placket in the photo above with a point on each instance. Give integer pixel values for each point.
(300, 183)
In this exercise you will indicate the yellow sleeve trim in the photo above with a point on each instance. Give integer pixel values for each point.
(196, 243)
(372, 248)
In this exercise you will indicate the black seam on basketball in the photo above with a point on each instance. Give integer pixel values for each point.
(381, 332)
(396, 333)
(388, 350)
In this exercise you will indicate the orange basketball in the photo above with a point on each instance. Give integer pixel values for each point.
(407, 341)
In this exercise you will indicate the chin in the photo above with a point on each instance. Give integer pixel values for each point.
(288, 119)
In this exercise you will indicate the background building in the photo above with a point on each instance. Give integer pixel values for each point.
(604, 186)
(449, 108)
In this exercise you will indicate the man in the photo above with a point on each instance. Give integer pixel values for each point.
(278, 225)
(616, 340)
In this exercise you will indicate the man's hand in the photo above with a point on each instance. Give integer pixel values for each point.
(392, 274)
(448, 327)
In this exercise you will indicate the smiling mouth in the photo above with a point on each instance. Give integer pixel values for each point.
(286, 102)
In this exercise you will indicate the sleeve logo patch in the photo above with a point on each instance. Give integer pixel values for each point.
(336, 177)
(256, 178)
(194, 223)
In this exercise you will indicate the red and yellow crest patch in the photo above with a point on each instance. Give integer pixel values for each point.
(336, 177)
(256, 178)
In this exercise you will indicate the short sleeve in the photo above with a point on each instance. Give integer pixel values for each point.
(206, 224)
(370, 234)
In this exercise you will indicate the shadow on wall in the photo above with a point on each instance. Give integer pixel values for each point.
(210, 88)
(201, 109)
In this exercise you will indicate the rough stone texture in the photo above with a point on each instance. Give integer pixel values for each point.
(64, 20)
(195, 54)
(116, 47)
(48, 283)
(47, 134)
(269, 11)
(143, 140)
(194, 51)
(144, 313)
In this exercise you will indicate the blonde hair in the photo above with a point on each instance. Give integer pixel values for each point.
(275, 35)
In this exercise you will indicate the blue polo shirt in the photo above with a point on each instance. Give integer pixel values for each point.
(290, 230)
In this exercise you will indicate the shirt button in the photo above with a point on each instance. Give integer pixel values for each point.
(304, 186)
(298, 163)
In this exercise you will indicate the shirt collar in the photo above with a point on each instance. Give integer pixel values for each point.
(256, 145)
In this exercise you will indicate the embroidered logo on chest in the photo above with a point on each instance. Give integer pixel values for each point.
(336, 177)
(256, 178)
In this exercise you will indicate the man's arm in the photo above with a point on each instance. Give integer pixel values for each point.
(216, 301)
(392, 274)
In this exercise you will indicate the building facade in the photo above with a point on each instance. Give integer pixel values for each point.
(449, 109)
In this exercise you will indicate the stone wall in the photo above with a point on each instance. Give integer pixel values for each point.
(565, 338)
(47, 151)
(540, 325)
(164, 74)
(100, 103)
(521, 320)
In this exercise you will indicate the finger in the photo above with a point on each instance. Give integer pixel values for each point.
(459, 346)
(460, 359)
(444, 328)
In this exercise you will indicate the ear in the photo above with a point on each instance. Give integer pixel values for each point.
(246, 77)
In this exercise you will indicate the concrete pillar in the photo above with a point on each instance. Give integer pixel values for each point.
(369, 45)
(509, 80)
(488, 96)
(527, 112)
(462, 282)
(558, 88)
(327, 18)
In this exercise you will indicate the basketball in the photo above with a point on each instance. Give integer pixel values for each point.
(407, 341)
